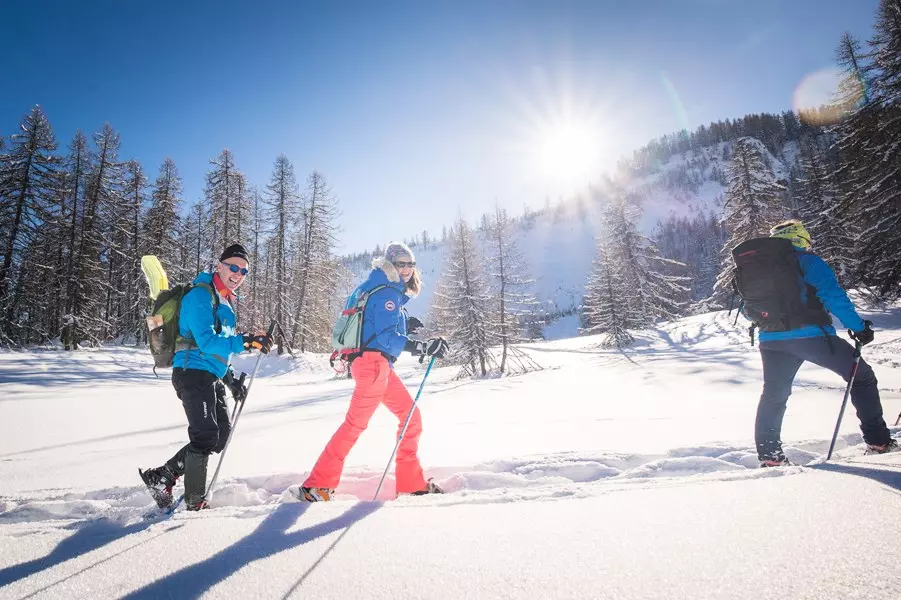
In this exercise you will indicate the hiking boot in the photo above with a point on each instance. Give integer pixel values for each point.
(891, 446)
(775, 461)
(315, 494)
(430, 488)
(202, 505)
(159, 482)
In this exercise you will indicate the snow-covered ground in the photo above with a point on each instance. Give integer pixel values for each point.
(606, 475)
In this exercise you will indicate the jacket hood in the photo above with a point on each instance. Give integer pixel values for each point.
(204, 277)
(387, 268)
(390, 274)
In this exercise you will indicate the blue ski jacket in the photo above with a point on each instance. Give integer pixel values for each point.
(819, 274)
(195, 320)
(384, 321)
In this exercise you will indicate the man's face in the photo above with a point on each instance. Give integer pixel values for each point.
(232, 272)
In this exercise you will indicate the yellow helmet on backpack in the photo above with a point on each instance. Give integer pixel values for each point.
(794, 231)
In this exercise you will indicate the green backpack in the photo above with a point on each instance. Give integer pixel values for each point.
(348, 330)
(165, 339)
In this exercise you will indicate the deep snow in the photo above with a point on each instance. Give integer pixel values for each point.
(606, 475)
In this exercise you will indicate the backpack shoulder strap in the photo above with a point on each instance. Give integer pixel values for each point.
(215, 296)
(366, 295)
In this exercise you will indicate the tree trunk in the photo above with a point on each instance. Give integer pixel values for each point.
(13, 234)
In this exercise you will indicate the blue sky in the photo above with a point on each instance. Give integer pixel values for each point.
(416, 111)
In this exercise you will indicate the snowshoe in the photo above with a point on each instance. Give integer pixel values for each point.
(202, 505)
(891, 446)
(314, 494)
(775, 461)
(159, 482)
(430, 488)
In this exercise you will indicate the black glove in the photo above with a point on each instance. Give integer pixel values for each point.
(865, 336)
(414, 347)
(236, 385)
(436, 347)
(413, 325)
(258, 341)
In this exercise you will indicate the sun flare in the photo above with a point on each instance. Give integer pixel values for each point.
(569, 152)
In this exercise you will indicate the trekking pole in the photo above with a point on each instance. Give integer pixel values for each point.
(898, 420)
(237, 404)
(854, 365)
(403, 429)
(237, 415)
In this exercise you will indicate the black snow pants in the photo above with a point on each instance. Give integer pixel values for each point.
(202, 395)
(781, 361)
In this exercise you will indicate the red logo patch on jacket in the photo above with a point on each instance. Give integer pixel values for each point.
(389, 305)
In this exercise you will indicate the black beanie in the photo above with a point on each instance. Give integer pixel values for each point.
(235, 250)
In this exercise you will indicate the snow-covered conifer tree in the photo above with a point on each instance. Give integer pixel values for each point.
(29, 186)
(316, 268)
(511, 286)
(283, 202)
(660, 287)
(606, 307)
(78, 164)
(871, 151)
(462, 305)
(752, 203)
(162, 222)
(818, 198)
(225, 200)
(135, 193)
(103, 191)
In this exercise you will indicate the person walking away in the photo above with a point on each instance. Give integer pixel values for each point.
(811, 337)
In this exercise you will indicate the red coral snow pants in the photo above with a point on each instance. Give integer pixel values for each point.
(376, 383)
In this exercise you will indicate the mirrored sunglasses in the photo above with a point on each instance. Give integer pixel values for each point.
(402, 264)
(236, 269)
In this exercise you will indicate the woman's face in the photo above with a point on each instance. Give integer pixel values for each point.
(404, 265)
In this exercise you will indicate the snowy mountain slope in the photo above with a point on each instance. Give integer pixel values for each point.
(607, 475)
(559, 242)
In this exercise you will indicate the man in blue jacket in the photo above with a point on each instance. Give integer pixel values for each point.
(783, 352)
(201, 370)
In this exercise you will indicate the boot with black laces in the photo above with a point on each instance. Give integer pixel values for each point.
(159, 482)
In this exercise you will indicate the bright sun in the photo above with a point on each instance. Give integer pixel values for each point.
(569, 153)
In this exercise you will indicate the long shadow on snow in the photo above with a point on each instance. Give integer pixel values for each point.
(889, 477)
(88, 536)
(181, 426)
(72, 370)
(103, 438)
(266, 540)
(279, 408)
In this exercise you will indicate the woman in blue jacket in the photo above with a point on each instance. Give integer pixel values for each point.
(384, 337)
(783, 353)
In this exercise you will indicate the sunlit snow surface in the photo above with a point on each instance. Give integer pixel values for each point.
(606, 475)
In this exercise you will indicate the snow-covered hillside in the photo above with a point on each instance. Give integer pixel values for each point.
(559, 242)
(606, 475)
